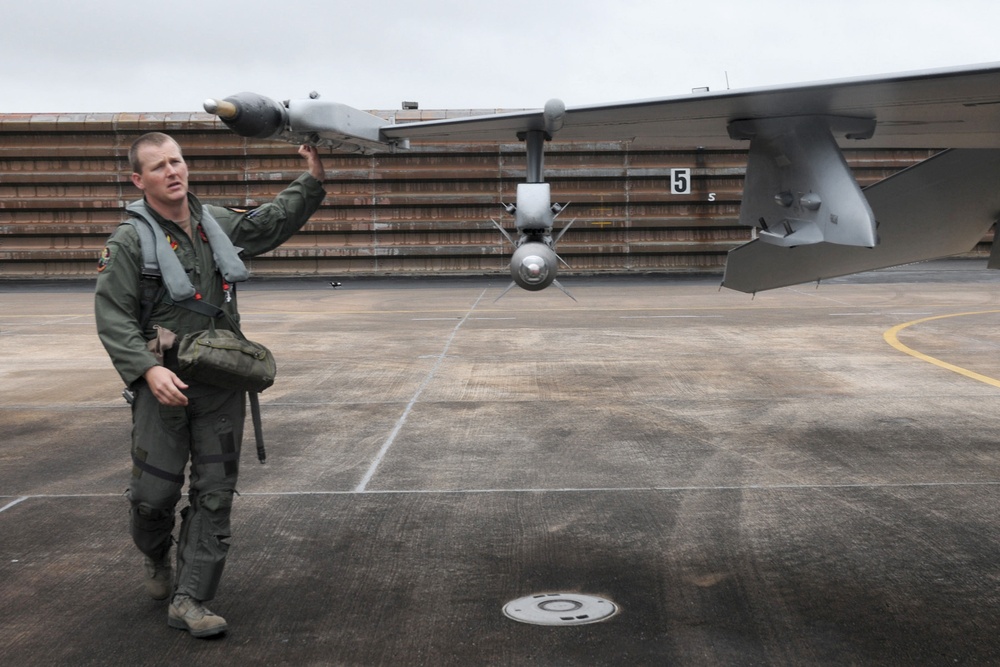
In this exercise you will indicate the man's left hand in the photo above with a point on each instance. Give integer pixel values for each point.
(315, 164)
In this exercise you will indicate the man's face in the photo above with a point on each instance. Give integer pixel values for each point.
(164, 177)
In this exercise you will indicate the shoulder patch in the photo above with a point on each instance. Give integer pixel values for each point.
(240, 211)
(105, 260)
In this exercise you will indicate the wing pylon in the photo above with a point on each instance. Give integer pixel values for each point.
(942, 206)
(799, 189)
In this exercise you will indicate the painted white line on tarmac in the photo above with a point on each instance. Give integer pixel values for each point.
(409, 406)
(636, 489)
(667, 317)
(593, 489)
(15, 502)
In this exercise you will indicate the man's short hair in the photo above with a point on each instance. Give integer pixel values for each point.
(150, 138)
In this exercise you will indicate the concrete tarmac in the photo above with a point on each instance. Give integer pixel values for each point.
(767, 481)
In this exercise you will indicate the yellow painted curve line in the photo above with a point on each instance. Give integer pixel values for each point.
(890, 337)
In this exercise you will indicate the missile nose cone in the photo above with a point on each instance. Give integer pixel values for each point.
(533, 266)
(221, 108)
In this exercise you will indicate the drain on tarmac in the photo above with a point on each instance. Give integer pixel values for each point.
(560, 609)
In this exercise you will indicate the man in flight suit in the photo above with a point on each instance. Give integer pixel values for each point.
(175, 421)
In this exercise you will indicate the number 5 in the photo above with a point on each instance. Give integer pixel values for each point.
(680, 181)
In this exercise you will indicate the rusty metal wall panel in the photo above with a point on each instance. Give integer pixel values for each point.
(64, 179)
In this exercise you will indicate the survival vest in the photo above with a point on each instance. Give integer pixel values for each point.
(160, 263)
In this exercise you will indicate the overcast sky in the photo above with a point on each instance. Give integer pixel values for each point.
(113, 55)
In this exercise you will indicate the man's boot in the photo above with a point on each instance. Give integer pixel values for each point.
(186, 613)
(159, 577)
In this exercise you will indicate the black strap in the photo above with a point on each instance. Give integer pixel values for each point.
(152, 291)
(229, 458)
(258, 430)
(200, 307)
(156, 472)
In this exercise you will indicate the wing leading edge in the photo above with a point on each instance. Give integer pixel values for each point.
(945, 108)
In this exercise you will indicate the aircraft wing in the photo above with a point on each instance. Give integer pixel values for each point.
(945, 108)
(812, 219)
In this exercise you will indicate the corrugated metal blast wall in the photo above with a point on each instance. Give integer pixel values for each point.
(64, 180)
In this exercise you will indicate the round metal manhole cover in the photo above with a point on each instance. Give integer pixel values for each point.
(560, 609)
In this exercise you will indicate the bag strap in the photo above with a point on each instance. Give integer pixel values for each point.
(151, 294)
(234, 325)
(200, 307)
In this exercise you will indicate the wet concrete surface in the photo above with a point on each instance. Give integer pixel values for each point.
(757, 481)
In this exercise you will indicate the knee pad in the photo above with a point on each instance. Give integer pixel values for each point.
(215, 501)
(146, 514)
(152, 529)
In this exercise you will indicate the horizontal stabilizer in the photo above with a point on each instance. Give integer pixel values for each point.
(940, 207)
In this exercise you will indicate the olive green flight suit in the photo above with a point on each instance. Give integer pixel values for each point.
(208, 431)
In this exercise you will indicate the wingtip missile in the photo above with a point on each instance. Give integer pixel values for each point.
(303, 121)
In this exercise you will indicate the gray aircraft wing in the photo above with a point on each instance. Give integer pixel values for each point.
(946, 108)
(812, 220)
